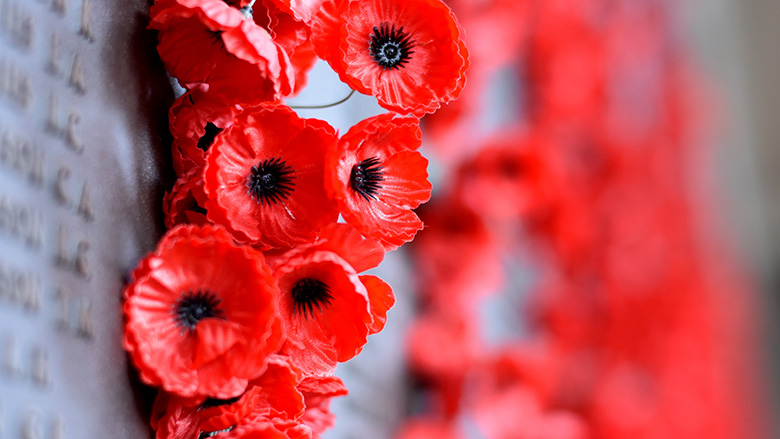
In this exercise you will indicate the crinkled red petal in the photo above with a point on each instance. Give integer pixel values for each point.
(381, 299)
(183, 204)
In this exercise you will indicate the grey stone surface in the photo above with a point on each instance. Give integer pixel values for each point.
(83, 148)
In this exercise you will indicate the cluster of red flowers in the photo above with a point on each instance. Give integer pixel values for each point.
(255, 293)
(568, 287)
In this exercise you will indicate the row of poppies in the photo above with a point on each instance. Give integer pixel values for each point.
(255, 293)
(568, 280)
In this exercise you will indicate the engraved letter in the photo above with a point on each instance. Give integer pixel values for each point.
(11, 364)
(58, 428)
(40, 367)
(52, 121)
(6, 284)
(86, 29)
(60, 191)
(31, 300)
(62, 256)
(85, 328)
(77, 75)
(30, 429)
(59, 6)
(70, 132)
(63, 317)
(54, 54)
(85, 208)
(82, 265)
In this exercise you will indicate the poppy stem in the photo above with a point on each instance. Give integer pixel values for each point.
(316, 107)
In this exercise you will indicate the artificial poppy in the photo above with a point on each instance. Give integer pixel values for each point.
(495, 30)
(201, 314)
(274, 395)
(195, 119)
(428, 428)
(499, 414)
(328, 309)
(378, 177)
(264, 178)
(325, 309)
(360, 253)
(209, 42)
(184, 203)
(407, 53)
(456, 256)
(508, 179)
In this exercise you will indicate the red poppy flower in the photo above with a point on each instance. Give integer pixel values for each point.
(566, 65)
(443, 347)
(378, 177)
(328, 309)
(509, 179)
(264, 178)
(407, 53)
(184, 203)
(495, 29)
(498, 416)
(457, 260)
(325, 308)
(428, 428)
(273, 395)
(195, 119)
(201, 314)
(211, 42)
(360, 253)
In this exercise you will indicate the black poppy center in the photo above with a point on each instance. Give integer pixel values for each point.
(194, 306)
(366, 178)
(389, 47)
(309, 293)
(271, 181)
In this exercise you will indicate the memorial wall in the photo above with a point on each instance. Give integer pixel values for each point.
(85, 160)
(83, 135)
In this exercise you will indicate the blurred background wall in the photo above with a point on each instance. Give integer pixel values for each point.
(737, 43)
